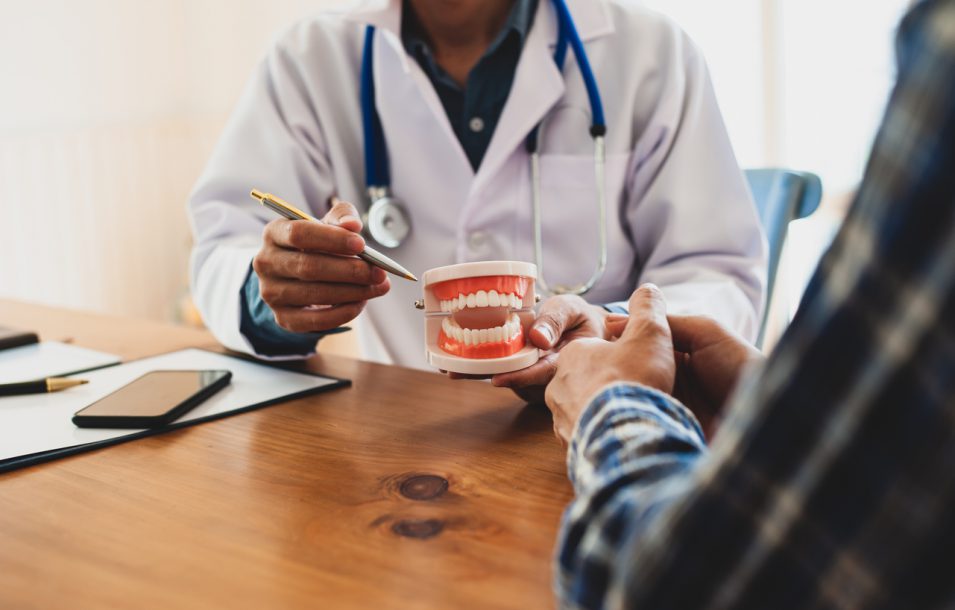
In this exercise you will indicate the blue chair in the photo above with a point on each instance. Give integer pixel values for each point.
(781, 196)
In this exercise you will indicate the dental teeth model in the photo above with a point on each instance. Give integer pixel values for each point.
(477, 314)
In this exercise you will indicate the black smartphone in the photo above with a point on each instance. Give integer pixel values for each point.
(155, 399)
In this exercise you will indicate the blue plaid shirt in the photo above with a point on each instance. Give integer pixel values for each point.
(831, 484)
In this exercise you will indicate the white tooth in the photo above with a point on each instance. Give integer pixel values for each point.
(458, 333)
(446, 306)
(493, 298)
(518, 302)
(480, 299)
(471, 300)
(511, 330)
(482, 336)
(498, 334)
(446, 326)
(467, 336)
(462, 302)
(515, 320)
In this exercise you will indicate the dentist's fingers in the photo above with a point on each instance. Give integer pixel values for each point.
(292, 293)
(557, 315)
(312, 236)
(615, 324)
(345, 215)
(313, 267)
(305, 320)
(538, 374)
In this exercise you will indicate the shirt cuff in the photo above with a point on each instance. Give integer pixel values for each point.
(258, 325)
(618, 307)
(624, 422)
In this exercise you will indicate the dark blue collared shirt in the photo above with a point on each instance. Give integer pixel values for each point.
(475, 109)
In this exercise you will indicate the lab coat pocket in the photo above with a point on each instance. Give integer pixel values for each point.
(570, 213)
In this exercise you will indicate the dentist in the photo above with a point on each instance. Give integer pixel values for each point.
(458, 88)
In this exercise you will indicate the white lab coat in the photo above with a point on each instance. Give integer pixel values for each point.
(680, 214)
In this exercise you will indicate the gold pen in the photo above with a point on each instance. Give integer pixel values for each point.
(370, 255)
(39, 386)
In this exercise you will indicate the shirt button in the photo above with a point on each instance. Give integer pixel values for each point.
(476, 124)
(477, 240)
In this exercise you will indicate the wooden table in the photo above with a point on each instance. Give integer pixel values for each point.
(406, 491)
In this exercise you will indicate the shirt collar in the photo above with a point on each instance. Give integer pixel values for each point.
(518, 23)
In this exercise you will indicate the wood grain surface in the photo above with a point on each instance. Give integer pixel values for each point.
(407, 490)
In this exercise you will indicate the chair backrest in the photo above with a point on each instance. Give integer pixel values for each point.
(781, 196)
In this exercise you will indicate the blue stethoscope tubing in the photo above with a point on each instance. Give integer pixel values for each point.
(378, 172)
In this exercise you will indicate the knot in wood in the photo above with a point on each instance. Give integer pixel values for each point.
(423, 487)
(421, 529)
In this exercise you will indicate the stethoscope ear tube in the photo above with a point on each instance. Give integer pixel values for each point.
(386, 220)
(567, 35)
(377, 170)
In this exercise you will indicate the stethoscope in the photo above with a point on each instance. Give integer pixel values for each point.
(387, 220)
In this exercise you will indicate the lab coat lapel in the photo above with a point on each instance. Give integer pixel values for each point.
(538, 85)
(390, 54)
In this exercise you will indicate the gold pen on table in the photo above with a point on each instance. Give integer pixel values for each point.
(39, 386)
(370, 255)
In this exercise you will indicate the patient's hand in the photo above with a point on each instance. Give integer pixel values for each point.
(710, 360)
(308, 273)
(643, 354)
(561, 319)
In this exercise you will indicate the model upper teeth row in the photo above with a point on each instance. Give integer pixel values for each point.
(481, 298)
(505, 332)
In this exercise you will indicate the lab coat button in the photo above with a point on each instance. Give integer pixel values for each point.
(476, 124)
(477, 240)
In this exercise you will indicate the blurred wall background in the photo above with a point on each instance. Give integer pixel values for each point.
(110, 108)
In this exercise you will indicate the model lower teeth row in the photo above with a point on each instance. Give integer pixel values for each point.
(481, 298)
(467, 336)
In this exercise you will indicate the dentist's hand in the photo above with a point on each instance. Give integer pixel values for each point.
(308, 273)
(561, 319)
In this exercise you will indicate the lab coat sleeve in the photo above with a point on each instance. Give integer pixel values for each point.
(691, 214)
(272, 142)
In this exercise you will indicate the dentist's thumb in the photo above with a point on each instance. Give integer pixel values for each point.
(552, 320)
(343, 214)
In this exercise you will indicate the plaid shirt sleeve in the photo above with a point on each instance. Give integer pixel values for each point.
(832, 481)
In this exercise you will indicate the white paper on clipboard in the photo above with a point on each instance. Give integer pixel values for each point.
(49, 359)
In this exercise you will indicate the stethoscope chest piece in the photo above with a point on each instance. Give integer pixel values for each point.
(387, 221)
